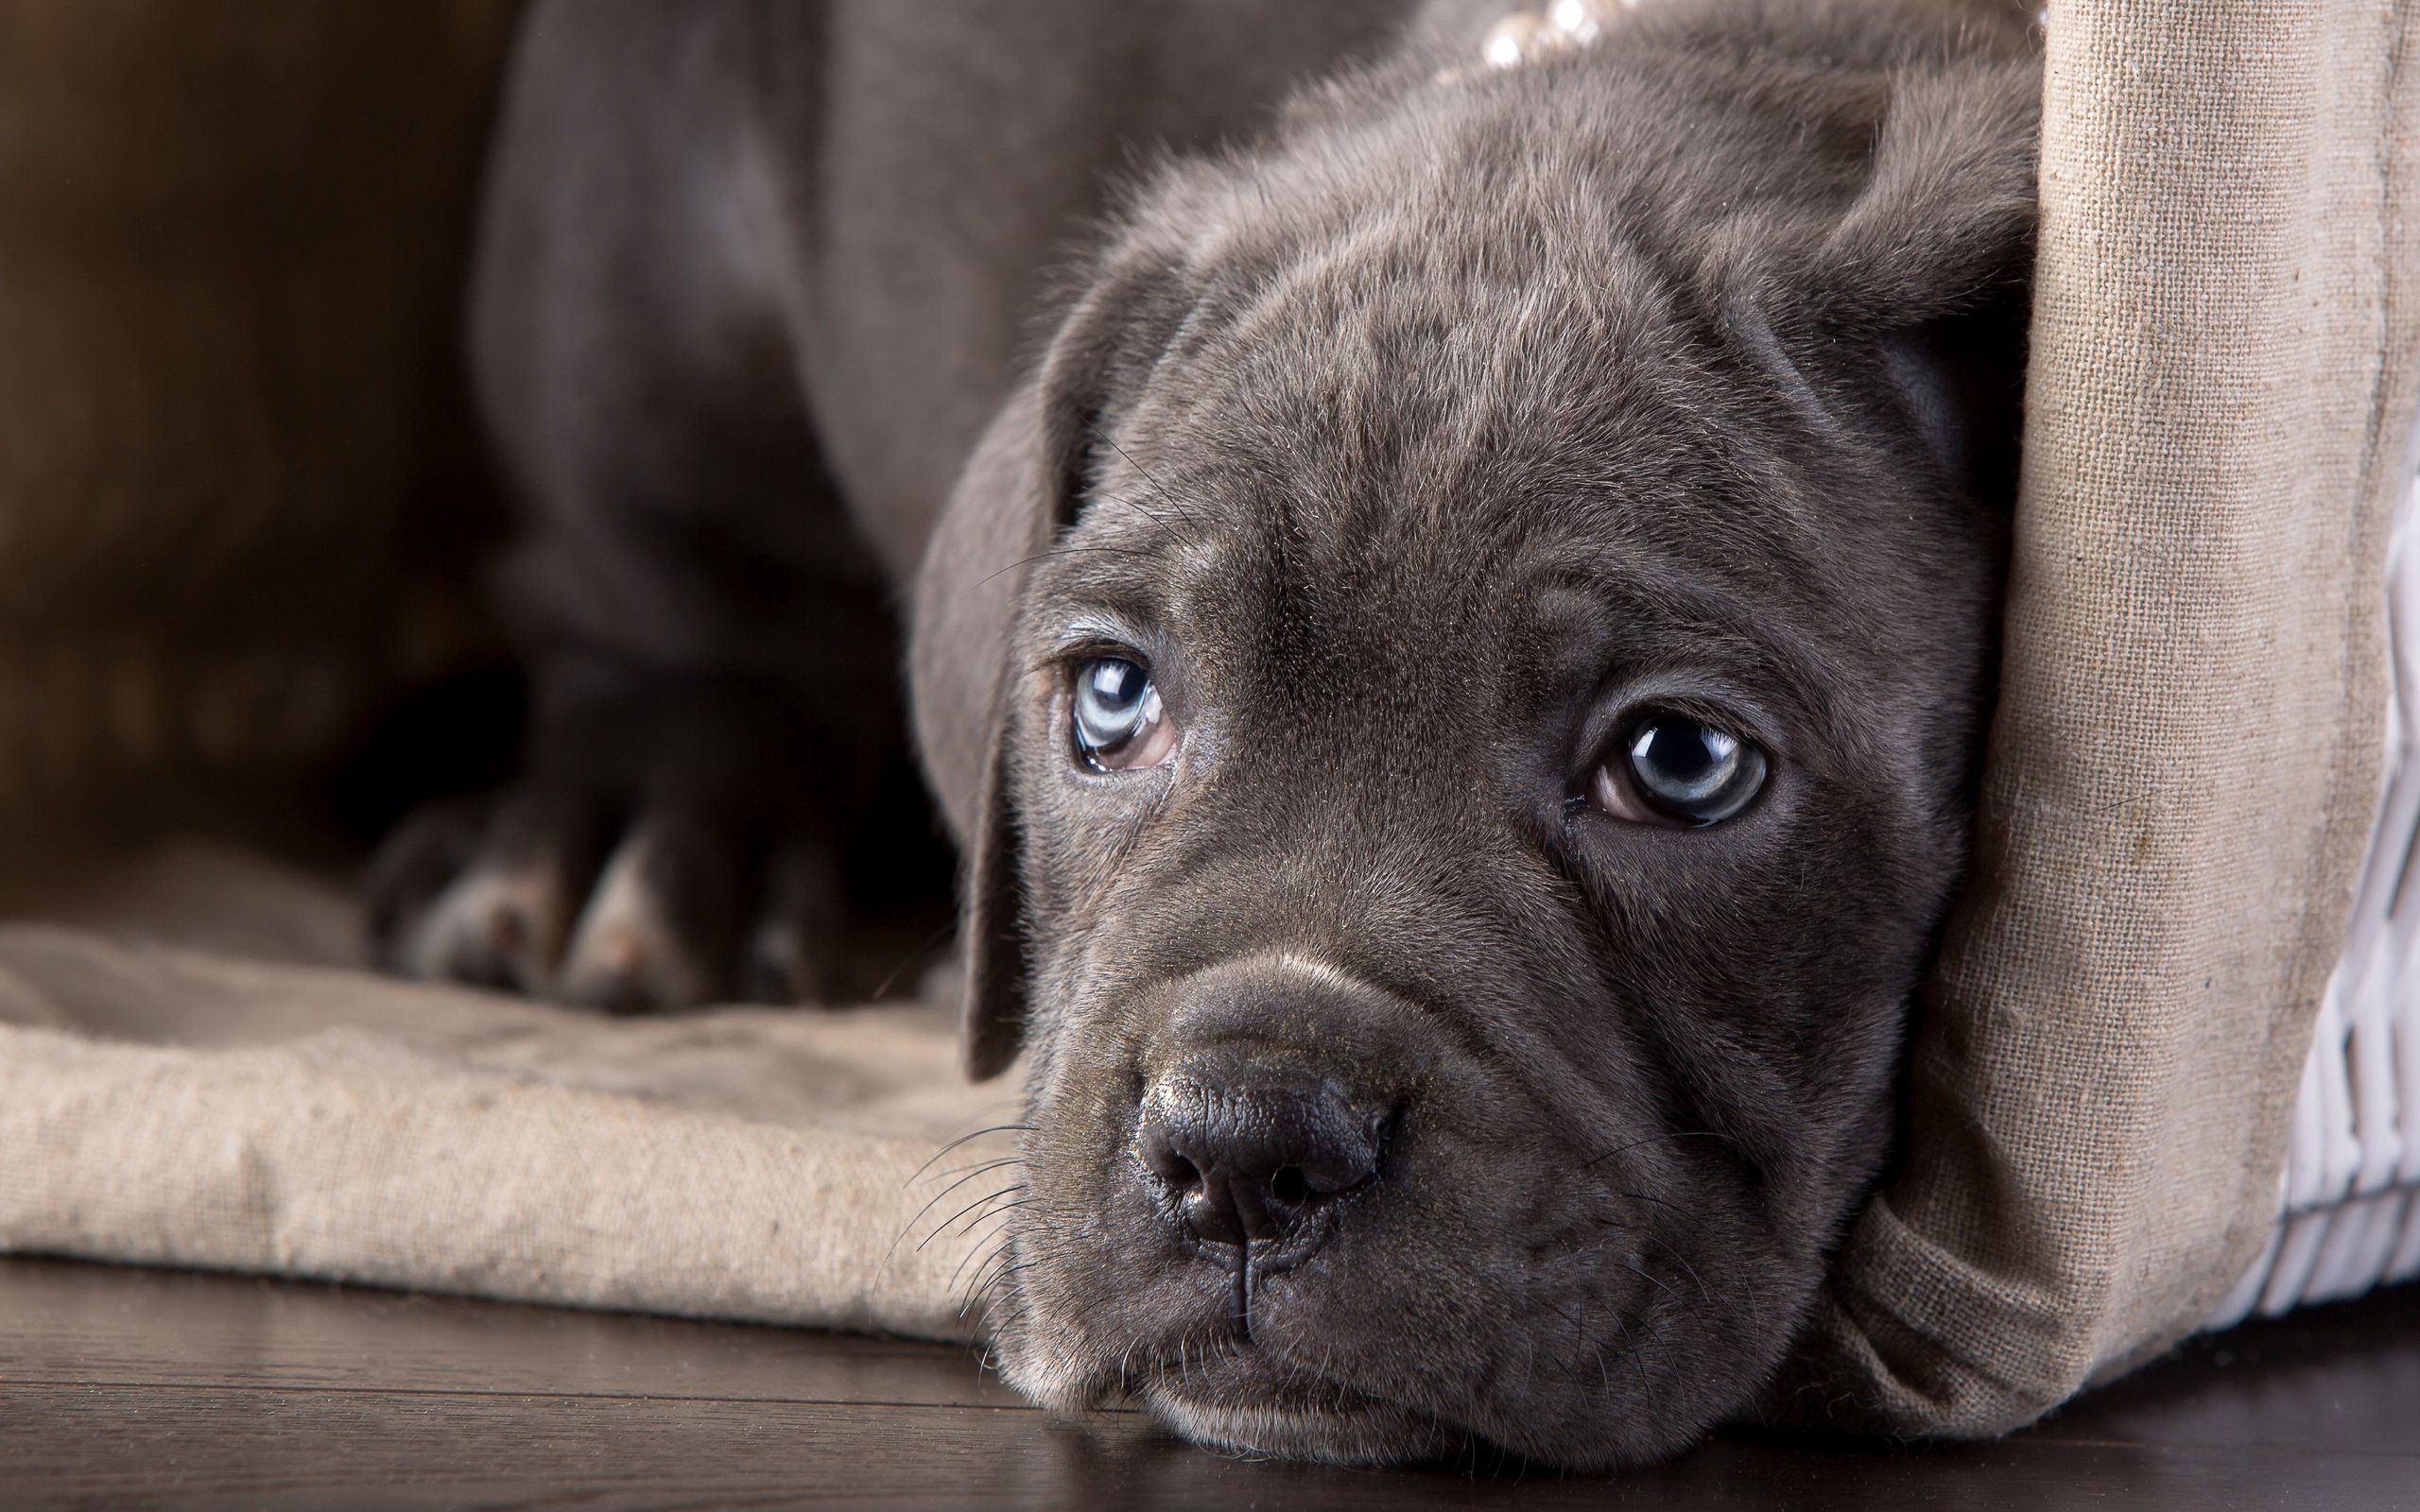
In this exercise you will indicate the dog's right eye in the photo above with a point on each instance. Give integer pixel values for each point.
(1673, 769)
(1119, 722)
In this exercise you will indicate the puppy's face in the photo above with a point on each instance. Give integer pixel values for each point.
(1484, 757)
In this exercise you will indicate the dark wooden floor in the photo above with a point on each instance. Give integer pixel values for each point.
(126, 1388)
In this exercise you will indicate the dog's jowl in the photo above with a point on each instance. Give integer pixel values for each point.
(1458, 665)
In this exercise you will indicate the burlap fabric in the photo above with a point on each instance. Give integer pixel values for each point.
(2184, 764)
(193, 1071)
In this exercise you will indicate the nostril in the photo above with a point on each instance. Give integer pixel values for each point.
(1290, 1185)
(1176, 1171)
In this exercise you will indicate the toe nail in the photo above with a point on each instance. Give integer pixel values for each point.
(619, 953)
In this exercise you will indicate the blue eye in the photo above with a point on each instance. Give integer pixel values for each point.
(1691, 771)
(1118, 717)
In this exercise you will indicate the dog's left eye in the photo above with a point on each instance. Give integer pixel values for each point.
(1119, 721)
(1673, 769)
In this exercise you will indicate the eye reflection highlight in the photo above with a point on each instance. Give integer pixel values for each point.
(1116, 716)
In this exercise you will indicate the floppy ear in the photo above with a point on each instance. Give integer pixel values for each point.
(1923, 281)
(1020, 488)
(1000, 514)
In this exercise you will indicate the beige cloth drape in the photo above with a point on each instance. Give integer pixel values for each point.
(2184, 764)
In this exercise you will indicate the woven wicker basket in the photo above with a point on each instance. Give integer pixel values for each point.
(2348, 1199)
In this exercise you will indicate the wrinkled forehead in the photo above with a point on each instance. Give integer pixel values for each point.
(1396, 357)
(1378, 426)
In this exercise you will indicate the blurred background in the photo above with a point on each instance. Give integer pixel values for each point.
(242, 503)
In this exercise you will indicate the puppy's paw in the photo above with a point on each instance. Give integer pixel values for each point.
(550, 893)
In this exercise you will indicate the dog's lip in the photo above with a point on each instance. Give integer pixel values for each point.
(1229, 1366)
(1236, 1395)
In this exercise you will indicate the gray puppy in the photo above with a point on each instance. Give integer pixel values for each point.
(1458, 668)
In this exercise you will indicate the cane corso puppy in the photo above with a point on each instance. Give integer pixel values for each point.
(1451, 614)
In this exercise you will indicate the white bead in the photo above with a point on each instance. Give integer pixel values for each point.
(1513, 41)
(1579, 20)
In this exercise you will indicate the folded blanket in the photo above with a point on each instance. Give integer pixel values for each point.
(177, 1103)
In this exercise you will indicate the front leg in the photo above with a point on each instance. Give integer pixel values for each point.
(709, 640)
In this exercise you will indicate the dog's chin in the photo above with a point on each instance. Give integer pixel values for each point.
(1238, 1400)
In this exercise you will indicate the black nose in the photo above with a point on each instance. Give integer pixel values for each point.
(1250, 1151)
